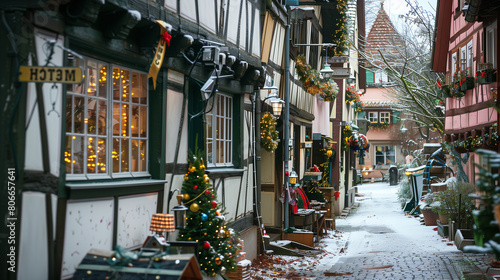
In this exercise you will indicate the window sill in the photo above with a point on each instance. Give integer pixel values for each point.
(85, 189)
(224, 172)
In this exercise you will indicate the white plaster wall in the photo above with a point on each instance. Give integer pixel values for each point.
(174, 109)
(33, 160)
(89, 224)
(251, 242)
(134, 219)
(33, 247)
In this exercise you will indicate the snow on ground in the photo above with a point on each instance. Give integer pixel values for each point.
(379, 211)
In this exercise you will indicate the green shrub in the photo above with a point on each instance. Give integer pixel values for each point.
(404, 192)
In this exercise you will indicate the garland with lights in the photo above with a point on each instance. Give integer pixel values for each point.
(313, 83)
(340, 36)
(269, 137)
(205, 224)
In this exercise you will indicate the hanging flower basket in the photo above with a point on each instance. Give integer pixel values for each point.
(313, 83)
(456, 90)
(486, 76)
(446, 91)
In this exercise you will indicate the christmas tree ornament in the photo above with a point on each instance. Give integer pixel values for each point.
(207, 191)
(204, 217)
(185, 197)
(195, 187)
(206, 245)
(214, 204)
(217, 261)
(194, 207)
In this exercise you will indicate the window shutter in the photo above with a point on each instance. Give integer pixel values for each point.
(396, 117)
(369, 77)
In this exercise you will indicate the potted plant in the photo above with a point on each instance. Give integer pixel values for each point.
(449, 201)
(455, 203)
(428, 203)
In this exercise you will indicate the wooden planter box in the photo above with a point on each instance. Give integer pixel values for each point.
(468, 84)
(461, 149)
(464, 237)
(486, 77)
(443, 229)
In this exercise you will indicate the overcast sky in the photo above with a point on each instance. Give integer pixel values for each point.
(394, 8)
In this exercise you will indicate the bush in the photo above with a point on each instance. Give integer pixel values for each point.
(449, 203)
(404, 192)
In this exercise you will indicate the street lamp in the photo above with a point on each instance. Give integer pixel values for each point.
(403, 129)
(327, 72)
(293, 178)
(274, 101)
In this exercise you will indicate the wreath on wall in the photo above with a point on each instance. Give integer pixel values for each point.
(313, 83)
(269, 137)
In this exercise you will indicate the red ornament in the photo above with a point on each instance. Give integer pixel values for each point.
(167, 37)
(195, 187)
(214, 204)
(286, 173)
(207, 191)
(213, 195)
(206, 245)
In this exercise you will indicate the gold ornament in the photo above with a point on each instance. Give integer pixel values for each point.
(329, 153)
(217, 261)
(185, 197)
(194, 207)
(228, 233)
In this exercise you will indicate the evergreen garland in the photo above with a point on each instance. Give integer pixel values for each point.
(217, 245)
(313, 83)
(269, 137)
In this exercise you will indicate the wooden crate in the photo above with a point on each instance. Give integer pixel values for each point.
(306, 238)
(242, 271)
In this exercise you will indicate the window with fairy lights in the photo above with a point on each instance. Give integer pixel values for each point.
(106, 122)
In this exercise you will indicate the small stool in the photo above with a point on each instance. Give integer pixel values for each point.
(330, 224)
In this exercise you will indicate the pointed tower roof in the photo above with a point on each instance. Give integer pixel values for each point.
(382, 34)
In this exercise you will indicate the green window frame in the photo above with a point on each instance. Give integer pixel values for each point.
(106, 122)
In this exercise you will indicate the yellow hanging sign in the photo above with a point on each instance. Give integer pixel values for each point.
(160, 51)
(41, 74)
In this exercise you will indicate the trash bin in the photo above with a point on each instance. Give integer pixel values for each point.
(393, 175)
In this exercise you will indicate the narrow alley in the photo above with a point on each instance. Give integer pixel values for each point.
(378, 241)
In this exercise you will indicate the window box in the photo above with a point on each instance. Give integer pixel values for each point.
(466, 83)
(486, 76)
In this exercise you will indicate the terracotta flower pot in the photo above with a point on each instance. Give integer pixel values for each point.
(430, 217)
(443, 218)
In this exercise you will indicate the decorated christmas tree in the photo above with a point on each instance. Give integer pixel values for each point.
(205, 224)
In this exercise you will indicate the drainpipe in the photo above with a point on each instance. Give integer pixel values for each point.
(256, 157)
(286, 121)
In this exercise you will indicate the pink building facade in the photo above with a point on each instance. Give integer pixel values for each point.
(466, 47)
